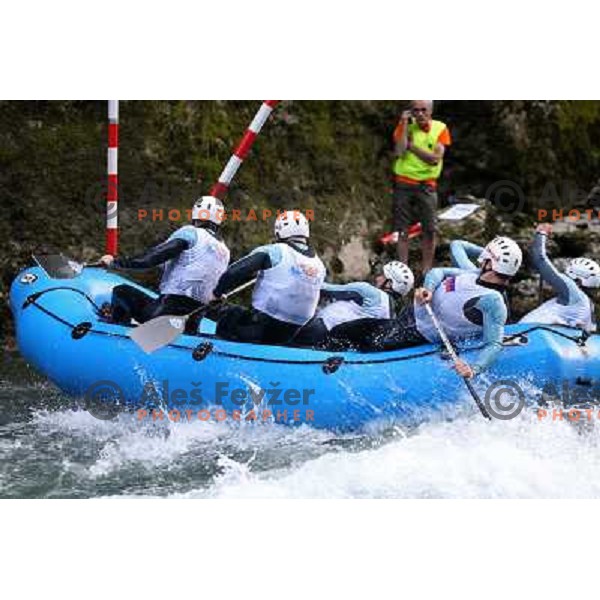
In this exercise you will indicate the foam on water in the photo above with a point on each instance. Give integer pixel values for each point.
(125, 446)
(467, 458)
(70, 453)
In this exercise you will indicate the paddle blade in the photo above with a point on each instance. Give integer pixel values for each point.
(57, 266)
(158, 332)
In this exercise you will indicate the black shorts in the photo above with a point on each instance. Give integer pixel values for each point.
(414, 204)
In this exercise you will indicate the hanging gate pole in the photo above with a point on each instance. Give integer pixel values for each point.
(239, 154)
(112, 190)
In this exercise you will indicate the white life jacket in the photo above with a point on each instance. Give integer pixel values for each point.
(196, 271)
(343, 311)
(579, 314)
(290, 290)
(448, 302)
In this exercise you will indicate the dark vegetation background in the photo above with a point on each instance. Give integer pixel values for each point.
(332, 156)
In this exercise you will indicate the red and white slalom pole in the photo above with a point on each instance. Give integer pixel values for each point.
(239, 154)
(112, 190)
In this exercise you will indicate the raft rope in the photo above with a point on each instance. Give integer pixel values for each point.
(580, 341)
(32, 301)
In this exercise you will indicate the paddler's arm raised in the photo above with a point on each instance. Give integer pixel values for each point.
(566, 289)
(246, 269)
(401, 134)
(462, 254)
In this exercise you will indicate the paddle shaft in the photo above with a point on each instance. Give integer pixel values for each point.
(452, 352)
(224, 297)
(162, 330)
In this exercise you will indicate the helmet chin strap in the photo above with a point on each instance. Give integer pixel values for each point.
(293, 239)
(205, 224)
(386, 286)
(591, 288)
(499, 283)
(487, 265)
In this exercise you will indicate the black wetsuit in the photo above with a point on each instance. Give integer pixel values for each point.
(374, 335)
(129, 302)
(312, 335)
(315, 333)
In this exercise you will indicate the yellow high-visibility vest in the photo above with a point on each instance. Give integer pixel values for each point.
(411, 166)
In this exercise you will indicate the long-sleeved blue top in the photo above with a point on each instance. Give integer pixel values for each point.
(571, 305)
(260, 259)
(361, 292)
(566, 290)
(462, 253)
(489, 310)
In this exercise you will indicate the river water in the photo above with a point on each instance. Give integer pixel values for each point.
(50, 450)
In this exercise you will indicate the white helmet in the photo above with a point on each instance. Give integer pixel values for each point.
(291, 223)
(505, 254)
(400, 275)
(208, 208)
(586, 270)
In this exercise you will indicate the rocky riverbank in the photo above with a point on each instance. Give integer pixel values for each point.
(331, 157)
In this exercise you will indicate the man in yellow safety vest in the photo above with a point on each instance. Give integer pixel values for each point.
(420, 145)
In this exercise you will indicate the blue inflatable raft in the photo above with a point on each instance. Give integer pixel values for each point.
(203, 377)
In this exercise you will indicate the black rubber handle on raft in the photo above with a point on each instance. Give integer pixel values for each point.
(31, 299)
(585, 336)
(202, 351)
(81, 330)
(332, 364)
